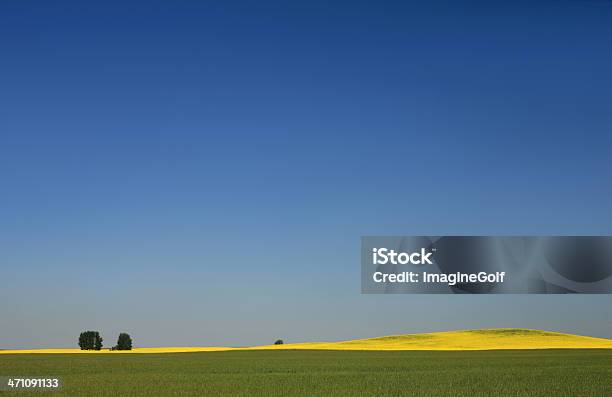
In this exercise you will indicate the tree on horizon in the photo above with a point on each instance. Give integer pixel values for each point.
(124, 342)
(90, 340)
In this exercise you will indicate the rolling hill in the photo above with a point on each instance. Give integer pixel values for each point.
(484, 339)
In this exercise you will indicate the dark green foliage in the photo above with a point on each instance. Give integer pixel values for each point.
(85, 342)
(90, 340)
(98, 342)
(124, 342)
(279, 342)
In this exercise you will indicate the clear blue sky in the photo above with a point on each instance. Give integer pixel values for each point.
(200, 173)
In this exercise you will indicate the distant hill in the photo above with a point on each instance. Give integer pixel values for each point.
(482, 339)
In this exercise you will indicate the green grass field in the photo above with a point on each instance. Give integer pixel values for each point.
(324, 373)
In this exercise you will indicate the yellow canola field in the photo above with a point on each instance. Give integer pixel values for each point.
(108, 351)
(486, 339)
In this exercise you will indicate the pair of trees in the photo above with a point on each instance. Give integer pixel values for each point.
(91, 340)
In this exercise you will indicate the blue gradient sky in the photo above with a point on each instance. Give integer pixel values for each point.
(201, 173)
